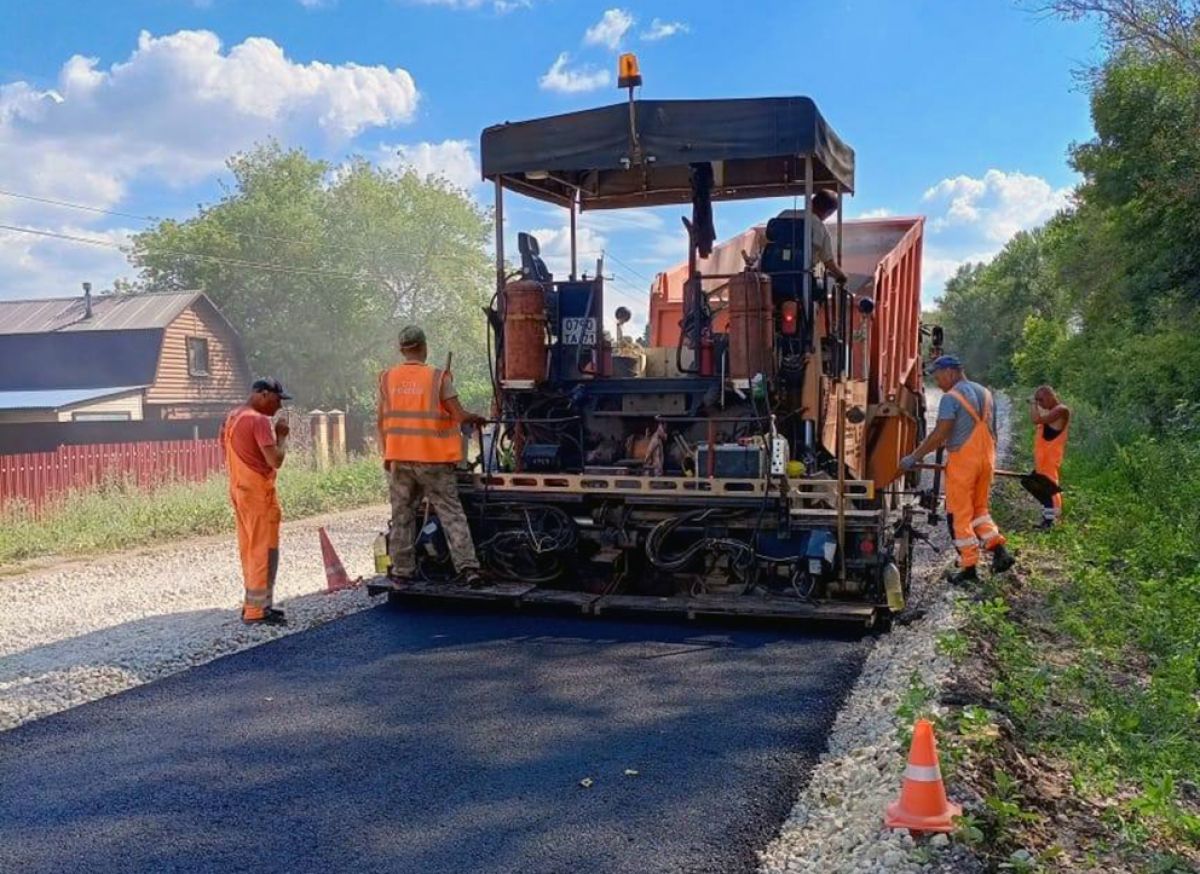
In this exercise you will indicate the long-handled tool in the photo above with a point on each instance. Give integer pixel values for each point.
(1037, 484)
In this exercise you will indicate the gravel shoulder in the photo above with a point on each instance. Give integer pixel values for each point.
(76, 631)
(837, 822)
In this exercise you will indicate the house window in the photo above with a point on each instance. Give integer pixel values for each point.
(197, 354)
(116, 416)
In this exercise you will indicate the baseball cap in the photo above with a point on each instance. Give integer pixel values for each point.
(271, 385)
(410, 336)
(946, 362)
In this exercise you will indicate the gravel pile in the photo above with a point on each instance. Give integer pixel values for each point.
(80, 631)
(837, 824)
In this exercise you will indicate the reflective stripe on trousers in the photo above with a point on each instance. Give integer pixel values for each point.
(257, 513)
(969, 472)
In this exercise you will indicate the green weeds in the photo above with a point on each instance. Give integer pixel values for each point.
(119, 516)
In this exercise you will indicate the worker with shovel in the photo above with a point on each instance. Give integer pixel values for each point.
(419, 420)
(1051, 418)
(966, 426)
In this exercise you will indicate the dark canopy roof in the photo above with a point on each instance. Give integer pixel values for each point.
(757, 147)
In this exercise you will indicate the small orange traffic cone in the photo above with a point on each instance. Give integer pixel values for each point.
(922, 806)
(336, 577)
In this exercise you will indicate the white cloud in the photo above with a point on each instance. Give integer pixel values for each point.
(660, 29)
(555, 245)
(169, 114)
(175, 110)
(882, 212)
(501, 6)
(997, 205)
(609, 30)
(566, 81)
(452, 160)
(33, 266)
(937, 267)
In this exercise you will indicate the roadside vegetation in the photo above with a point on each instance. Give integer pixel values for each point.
(1075, 720)
(119, 515)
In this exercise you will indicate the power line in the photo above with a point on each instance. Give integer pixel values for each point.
(234, 262)
(636, 273)
(147, 219)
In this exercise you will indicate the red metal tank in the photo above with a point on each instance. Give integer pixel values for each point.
(751, 326)
(525, 331)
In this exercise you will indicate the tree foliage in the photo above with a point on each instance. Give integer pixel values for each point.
(1104, 299)
(318, 267)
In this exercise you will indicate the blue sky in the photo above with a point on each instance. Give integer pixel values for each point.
(961, 111)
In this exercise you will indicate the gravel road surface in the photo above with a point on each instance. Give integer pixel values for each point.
(76, 631)
(426, 741)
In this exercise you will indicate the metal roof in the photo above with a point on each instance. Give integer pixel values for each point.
(56, 399)
(110, 312)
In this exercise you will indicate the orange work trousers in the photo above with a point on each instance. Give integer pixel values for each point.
(256, 508)
(1048, 459)
(969, 473)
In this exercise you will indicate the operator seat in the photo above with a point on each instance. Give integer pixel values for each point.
(783, 255)
(532, 266)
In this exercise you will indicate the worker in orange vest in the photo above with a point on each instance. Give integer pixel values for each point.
(254, 451)
(966, 425)
(1051, 418)
(419, 419)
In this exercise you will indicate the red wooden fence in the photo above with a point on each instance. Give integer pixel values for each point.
(39, 478)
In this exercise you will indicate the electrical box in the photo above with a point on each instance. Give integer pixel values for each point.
(541, 458)
(780, 456)
(733, 461)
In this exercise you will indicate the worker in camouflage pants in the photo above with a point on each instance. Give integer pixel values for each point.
(419, 431)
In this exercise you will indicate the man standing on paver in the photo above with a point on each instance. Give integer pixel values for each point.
(419, 433)
(967, 427)
(254, 451)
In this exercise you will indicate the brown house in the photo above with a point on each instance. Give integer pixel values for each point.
(118, 358)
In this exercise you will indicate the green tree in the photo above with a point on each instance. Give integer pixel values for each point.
(318, 267)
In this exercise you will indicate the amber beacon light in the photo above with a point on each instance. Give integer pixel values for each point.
(628, 74)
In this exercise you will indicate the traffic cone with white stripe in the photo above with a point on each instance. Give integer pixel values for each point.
(922, 806)
(336, 577)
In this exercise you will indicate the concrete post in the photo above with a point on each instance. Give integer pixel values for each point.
(318, 425)
(337, 435)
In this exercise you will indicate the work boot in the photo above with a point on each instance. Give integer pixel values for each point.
(270, 616)
(1045, 525)
(472, 578)
(1002, 560)
(964, 577)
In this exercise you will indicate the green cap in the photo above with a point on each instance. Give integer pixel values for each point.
(411, 336)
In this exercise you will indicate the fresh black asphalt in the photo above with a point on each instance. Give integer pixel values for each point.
(430, 741)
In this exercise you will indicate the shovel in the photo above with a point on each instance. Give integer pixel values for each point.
(1037, 484)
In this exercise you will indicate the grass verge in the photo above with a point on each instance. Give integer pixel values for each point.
(1076, 719)
(119, 516)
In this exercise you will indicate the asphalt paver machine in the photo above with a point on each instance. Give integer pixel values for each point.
(743, 461)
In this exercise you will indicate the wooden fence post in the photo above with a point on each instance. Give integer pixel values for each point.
(337, 435)
(318, 424)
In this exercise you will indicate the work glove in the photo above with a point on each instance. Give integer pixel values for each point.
(908, 462)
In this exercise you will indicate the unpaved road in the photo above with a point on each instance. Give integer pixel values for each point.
(76, 631)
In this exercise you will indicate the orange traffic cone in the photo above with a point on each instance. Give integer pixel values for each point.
(336, 577)
(922, 806)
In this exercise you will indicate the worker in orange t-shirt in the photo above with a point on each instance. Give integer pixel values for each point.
(254, 451)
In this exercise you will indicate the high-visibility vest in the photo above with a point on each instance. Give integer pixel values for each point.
(416, 427)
